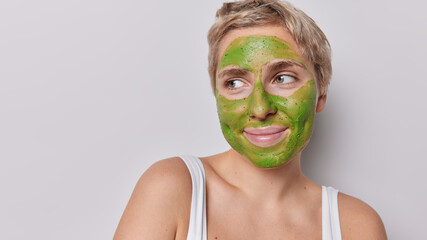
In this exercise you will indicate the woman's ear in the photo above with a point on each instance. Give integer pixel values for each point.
(321, 102)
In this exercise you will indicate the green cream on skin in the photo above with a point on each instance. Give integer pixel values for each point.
(296, 111)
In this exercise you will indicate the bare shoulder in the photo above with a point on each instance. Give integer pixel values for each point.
(160, 198)
(358, 220)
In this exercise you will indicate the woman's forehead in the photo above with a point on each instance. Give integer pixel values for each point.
(270, 30)
(256, 40)
(255, 51)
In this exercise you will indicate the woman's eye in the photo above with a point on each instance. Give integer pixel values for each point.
(284, 79)
(233, 84)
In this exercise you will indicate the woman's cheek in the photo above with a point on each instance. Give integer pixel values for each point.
(299, 105)
(301, 111)
(232, 112)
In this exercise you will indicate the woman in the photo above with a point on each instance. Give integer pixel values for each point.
(269, 65)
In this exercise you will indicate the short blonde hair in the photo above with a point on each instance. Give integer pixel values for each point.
(310, 39)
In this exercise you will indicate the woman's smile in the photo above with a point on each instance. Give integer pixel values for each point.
(265, 136)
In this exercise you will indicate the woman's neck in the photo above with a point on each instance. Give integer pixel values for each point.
(267, 185)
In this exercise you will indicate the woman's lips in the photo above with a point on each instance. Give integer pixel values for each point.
(266, 136)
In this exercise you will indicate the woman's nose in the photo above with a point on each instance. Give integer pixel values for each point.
(261, 106)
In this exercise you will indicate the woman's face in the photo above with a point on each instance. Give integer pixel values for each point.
(266, 95)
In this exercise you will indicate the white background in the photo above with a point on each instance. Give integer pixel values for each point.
(93, 92)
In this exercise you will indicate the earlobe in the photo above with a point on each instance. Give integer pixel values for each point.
(321, 102)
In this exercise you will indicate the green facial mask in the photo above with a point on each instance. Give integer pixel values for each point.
(296, 112)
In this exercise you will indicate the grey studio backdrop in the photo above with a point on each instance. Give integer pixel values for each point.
(93, 92)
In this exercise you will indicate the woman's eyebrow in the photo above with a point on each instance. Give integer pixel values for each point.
(279, 65)
(233, 71)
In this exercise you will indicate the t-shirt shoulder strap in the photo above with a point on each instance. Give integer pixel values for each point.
(331, 229)
(197, 224)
